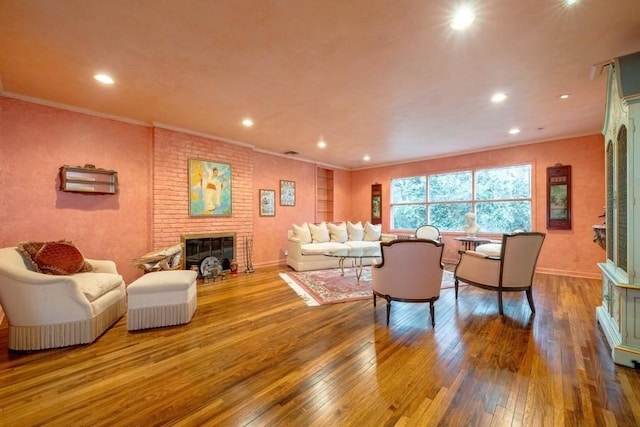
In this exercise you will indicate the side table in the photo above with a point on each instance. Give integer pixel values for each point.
(471, 243)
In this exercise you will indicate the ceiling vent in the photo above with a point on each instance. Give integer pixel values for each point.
(291, 153)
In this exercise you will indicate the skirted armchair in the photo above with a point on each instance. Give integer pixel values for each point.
(511, 271)
(47, 311)
(410, 271)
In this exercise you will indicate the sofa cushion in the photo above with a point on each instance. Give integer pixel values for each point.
(490, 249)
(58, 258)
(338, 232)
(355, 231)
(302, 233)
(319, 233)
(94, 285)
(321, 248)
(372, 232)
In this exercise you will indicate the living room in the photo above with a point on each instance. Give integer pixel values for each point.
(151, 210)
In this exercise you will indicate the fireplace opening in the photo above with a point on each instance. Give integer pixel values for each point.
(206, 252)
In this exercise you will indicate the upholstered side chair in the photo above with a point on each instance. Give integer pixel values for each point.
(430, 232)
(511, 271)
(410, 271)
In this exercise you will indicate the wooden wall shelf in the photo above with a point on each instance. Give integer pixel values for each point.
(88, 180)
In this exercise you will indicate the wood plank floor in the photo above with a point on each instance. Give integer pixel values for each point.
(255, 354)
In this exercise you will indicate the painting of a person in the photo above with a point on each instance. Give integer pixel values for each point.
(213, 191)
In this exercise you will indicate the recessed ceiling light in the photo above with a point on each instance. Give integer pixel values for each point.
(514, 131)
(463, 17)
(564, 96)
(103, 78)
(247, 123)
(571, 2)
(366, 158)
(498, 97)
(321, 143)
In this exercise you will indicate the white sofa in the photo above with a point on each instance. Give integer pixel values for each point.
(308, 242)
(46, 311)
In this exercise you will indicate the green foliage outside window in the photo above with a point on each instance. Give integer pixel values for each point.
(502, 200)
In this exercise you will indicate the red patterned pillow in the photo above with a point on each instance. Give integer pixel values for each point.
(59, 258)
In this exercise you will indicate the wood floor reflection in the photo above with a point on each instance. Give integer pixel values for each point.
(255, 354)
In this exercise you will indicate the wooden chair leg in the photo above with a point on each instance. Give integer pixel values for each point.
(374, 300)
(500, 302)
(530, 299)
(388, 310)
(433, 314)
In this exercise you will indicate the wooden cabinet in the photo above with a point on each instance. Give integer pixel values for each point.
(619, 312)
(88, 180)
(324, 195)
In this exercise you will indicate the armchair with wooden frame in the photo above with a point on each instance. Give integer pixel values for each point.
(410, 271)
(512, 271)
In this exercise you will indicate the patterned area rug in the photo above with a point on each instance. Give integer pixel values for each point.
(321, 287)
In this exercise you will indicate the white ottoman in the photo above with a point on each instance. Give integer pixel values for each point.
(162, 298)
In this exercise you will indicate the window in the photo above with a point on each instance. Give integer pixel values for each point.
(501, 198)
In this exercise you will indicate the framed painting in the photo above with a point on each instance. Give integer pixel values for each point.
(209, 188)
(287, 193)
(559, 197)
(376, 204)
(267, 202)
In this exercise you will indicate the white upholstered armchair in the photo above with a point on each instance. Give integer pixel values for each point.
(410, 271)
(511, 271)
(46, 311)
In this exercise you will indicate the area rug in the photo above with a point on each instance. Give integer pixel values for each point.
(320, 287)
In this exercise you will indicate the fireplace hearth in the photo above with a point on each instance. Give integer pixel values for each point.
(208, 251)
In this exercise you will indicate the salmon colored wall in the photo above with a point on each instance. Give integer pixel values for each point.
(570, 252)
(151, 211)
(270, 233)
(35, 141)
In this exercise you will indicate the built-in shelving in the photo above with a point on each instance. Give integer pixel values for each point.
(324, 194)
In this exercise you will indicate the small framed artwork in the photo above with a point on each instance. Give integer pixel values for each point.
(287, 193)
(559, 197)
(376, 204)
(267, 202)
(209, 188)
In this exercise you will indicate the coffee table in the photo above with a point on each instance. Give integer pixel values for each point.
(357, 255)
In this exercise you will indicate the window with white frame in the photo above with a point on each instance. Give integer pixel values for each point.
(500, 197)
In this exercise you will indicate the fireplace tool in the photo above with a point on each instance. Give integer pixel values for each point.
(248, 254)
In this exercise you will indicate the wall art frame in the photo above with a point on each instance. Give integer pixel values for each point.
(559, 197)
(287, 193)
(267, 202)
(210, 188)
(376, 204)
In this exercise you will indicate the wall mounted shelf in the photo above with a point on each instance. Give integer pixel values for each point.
(88, 180)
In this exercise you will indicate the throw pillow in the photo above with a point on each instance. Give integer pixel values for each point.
(319, 233)
(302, 233)
(338, 233)
(58, 258)
(372, 232)
(355, 231)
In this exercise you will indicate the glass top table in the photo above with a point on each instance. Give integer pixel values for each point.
(357, 255)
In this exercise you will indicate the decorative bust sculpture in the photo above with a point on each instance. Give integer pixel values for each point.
(471, 228)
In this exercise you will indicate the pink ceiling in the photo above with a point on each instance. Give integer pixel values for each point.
(386, 78)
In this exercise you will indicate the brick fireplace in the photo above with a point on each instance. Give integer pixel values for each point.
(206, 249)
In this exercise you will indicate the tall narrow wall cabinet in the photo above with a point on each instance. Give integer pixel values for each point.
(619, 312)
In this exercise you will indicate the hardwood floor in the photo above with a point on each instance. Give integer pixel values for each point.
(255, 354)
